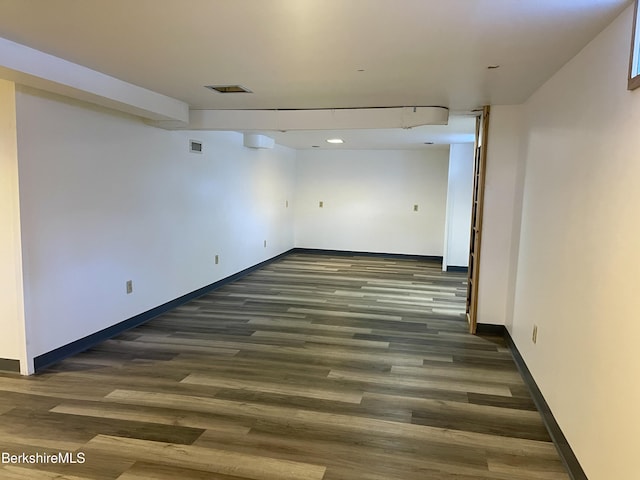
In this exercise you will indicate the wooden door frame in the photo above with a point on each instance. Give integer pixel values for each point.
(475, 240)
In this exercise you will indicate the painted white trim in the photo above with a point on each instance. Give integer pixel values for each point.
(315, 119)
(37, 69)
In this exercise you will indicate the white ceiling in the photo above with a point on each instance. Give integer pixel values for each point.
(298, 54)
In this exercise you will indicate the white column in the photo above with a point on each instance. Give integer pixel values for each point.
(12, 318)
(459, 199)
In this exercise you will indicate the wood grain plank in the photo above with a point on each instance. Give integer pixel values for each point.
(346, 395)
(11, 472)
(453, 385)
(207, 459)
(135, 413)
(154, 471)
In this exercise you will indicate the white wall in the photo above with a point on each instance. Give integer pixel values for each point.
(106, 199)
(459, 203)
(12, 343)
(498, 251)
(368, 200)
(577, 275)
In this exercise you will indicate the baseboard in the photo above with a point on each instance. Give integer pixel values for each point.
(489, 329)
(349, 253)
(47, 359)
(9, 365)
(564, 449)
(457, 269)
(560, 441)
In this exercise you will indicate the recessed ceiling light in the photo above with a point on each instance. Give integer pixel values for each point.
(335, 140)
(228, 88)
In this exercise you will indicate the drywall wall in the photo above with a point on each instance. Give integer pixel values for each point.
(578, 260)
(497, 252)
(106, 199)
(12, 343)
(459, 203)
(368, 200)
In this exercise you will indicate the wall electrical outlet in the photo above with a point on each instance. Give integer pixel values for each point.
(129, 286)
(217, 259)
(534, 335)
(265, 244)
(321, 204)
(286, 203)
(415, 208)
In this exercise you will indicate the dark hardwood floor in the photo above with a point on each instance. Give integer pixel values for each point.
(314, 367)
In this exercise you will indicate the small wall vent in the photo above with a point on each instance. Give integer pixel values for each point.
(195, 146)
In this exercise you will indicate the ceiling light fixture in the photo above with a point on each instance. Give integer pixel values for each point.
(335, 140)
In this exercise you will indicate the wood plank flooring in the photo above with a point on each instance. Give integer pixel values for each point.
(314, 367)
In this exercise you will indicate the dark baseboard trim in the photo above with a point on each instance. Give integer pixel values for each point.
(47, 359)
(457, 269)
(490, 329)
(560, 441)
(9, 365)
(349, 253)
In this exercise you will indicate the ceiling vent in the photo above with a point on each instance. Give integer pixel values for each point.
(228, 88)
